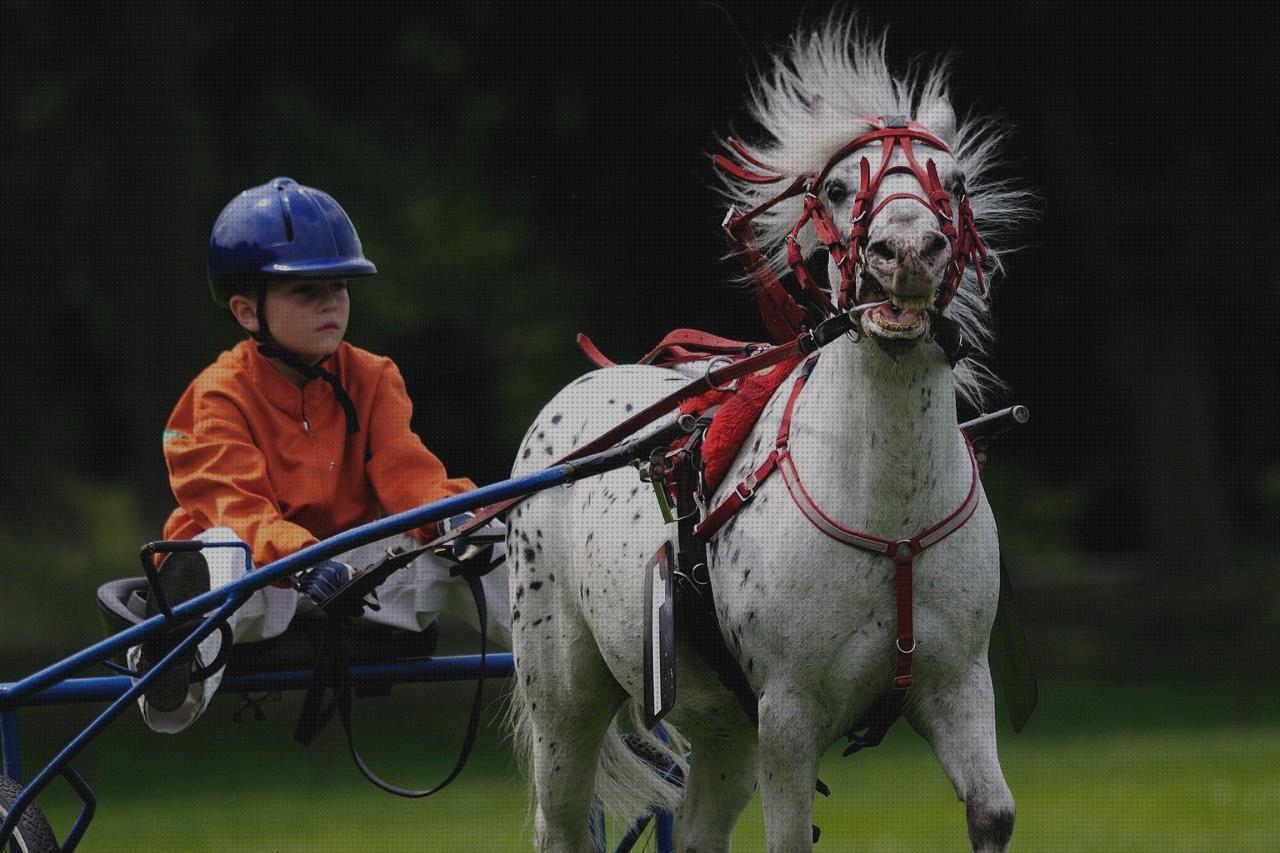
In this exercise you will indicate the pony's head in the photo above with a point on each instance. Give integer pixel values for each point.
(874, 170)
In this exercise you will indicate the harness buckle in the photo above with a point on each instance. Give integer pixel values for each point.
(749, 485)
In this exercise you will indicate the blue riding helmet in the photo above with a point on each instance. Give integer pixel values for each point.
(282, 229)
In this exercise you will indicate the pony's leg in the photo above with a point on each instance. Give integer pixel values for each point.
(571, 699)
(959, 721)
(791, 734)
(721, 781)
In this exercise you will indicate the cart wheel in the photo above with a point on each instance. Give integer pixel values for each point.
(33, 833)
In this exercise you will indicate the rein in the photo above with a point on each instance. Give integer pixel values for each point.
(805, 343)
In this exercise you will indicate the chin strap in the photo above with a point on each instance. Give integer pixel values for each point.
(315, 371)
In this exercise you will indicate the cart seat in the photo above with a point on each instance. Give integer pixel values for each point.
(123, 604)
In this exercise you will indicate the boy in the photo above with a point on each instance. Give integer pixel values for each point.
(292, 436)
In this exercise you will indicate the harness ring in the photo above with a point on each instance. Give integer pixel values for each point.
(898, 643)
(719, 360)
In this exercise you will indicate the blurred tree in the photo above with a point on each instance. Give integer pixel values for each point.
(520, 173)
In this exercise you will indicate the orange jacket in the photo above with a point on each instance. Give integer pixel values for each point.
(247, 449)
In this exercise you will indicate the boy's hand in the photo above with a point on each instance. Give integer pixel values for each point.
(322, 580)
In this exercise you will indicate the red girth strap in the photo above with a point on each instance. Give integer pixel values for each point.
(902, 551)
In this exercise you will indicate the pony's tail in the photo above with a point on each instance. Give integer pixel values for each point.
(635, 774)
(638, 773)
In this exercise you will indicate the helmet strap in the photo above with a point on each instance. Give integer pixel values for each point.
(268, 347)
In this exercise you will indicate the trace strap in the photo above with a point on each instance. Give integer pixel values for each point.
(902, 551)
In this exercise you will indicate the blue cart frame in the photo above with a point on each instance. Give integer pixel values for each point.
(53, 685)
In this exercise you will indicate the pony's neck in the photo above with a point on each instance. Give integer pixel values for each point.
(890, 427)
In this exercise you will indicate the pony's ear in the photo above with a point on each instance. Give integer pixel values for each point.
(937, 115)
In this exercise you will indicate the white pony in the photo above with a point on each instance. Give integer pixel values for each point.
(810, 620)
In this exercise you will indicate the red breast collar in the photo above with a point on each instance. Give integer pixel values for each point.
(902, 551)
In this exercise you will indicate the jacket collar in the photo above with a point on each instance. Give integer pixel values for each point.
(278, 390)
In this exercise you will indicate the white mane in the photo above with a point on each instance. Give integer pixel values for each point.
(815, 98)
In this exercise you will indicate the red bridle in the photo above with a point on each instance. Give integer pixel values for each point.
(893, 132)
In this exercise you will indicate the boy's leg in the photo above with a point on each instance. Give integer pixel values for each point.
(415, 596)
(266, 614)
(181, 576)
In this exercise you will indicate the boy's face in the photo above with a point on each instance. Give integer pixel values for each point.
(307, 316)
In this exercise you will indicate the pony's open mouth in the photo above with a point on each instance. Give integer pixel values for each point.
(898, 319)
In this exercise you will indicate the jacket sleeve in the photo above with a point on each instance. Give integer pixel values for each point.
(404, 474)
(219, 477)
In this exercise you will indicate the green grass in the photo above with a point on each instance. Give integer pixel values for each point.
(1101, 767)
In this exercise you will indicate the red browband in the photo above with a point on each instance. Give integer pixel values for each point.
(783, 316)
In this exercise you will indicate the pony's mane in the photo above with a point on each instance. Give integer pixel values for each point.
(814, 98)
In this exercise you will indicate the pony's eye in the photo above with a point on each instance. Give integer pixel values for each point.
(837, 191)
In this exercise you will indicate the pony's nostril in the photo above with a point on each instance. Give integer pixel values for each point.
(933, 246)
(881, 250)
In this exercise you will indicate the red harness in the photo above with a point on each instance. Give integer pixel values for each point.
(782, 315)
(902, 551)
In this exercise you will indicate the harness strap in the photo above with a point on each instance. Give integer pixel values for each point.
(704, 342)
(745, 491)
(902, 551)
(803, 344)
(905, 642)
(695, 607)
(741, 495)
(674, 348)
(592, 352)
(333, 674)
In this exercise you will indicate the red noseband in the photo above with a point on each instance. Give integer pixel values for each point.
(783, 316)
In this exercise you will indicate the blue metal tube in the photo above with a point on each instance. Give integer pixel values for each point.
(457, 668)
(11, 695)
(10, 745)
(42, 779)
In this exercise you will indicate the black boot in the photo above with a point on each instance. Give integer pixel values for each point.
(183, 575)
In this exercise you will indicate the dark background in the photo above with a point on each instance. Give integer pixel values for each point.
(523, 172)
